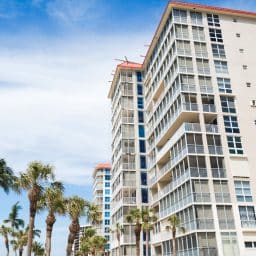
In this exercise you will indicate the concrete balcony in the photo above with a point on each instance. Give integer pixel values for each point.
(198, 224)
(185, 201)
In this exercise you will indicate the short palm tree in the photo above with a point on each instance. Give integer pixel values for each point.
(134, 217)
(174, 222)
(148, 219)
(119, 230)
(93, 213)
(34, 181)
(6, 176)
(13, 218)
(53, 201)
(97, 245)
(75, 208)
(37, 249)
(5, 231)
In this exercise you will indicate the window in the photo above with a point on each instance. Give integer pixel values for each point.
(196, 18)
(241, 50)
(231, 124)
(141, 116)
(139, 77)
(140, 103)
(143, 177)
(107, 191)
(185, 64)
(203, 66)
(143, 164)
(237, 35)
(218, 51)
(107, 214)
(250, 244)
(235, 145)
(221, 191)
(229, 243)
(107, 237)
(144, 195)
(141, 131)
(139, 89)
(107, 171)
(245, 67)
(198, 33)
(205, 84)
(228, 104)
(107, 177)
(221, 67)
(234, 20)
(218, 167)
(106, 229)
(142, 146)
(248, 84)
(213, 20)
(181, 31)
(247, 216)
(107, 222)
(224, 85)
(243, 191)
(183, 47)
(225, 216)
(180, 16)
(107, 184)
(201, 50)
(215, 35)
(107, 199)
(253, 103)
(107, 206)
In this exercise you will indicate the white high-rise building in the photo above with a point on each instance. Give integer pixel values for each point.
(199, 110)
(101, 198)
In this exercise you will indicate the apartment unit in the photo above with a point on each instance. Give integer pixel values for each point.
(102, 197)
(129, 176)
(199, 102)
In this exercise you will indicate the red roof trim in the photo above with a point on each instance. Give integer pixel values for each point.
(102, 166)
(213, 8)
(129, 64)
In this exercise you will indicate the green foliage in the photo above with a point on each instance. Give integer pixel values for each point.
(6, 176)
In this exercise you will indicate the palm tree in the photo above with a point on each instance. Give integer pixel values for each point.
(6, 176)
(148, 218)
(97, 244)
(134, 217)
(93, 213)
(119, 230)
(85, 245)
(174, 225)
(37, 249)
(34, 180)
(13, 218)
(15, 246)
(75, 208)
(5, 231)
(53, 201)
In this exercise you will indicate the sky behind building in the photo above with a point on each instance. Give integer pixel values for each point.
(56, 60)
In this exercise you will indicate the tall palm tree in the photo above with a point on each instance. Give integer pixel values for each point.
(53, 201)
(134, 217)
(148, 219)
(174, 222)
(37, 249)
(34, 181)
(119, 230)
(5, 231)
(6, 176)
(13, 218)
(75, 208)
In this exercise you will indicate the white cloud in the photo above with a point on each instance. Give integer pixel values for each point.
(54, 104)
(72, 10)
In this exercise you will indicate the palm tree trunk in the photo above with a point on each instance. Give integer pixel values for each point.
(137, 235)
(147, 242)
(73, 229)
(30, 233)
(6, 241)
(20, 251)
(174, 242)
(50, 220)
(119, 247)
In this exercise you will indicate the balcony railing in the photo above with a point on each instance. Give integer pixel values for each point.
(190, 198)
(226, 224)
(209, 108)
(248, 223)
(219, 173)
(129, 200)
(222, 197)
(198, 224)
(209, 251)
(129, 182)
(211, 128)
(215, 150)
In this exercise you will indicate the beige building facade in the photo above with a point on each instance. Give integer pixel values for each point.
(199, 113)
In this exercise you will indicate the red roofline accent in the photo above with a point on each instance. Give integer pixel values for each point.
(102, 166)
(199, 6)
(130, 65)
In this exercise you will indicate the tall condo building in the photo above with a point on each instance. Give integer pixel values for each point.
(199, 101)
(129, 176)
(101, 198)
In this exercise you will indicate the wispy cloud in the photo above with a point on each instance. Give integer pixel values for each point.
(56, 107)
(69, 11)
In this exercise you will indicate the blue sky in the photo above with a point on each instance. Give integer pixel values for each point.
(56, 58)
